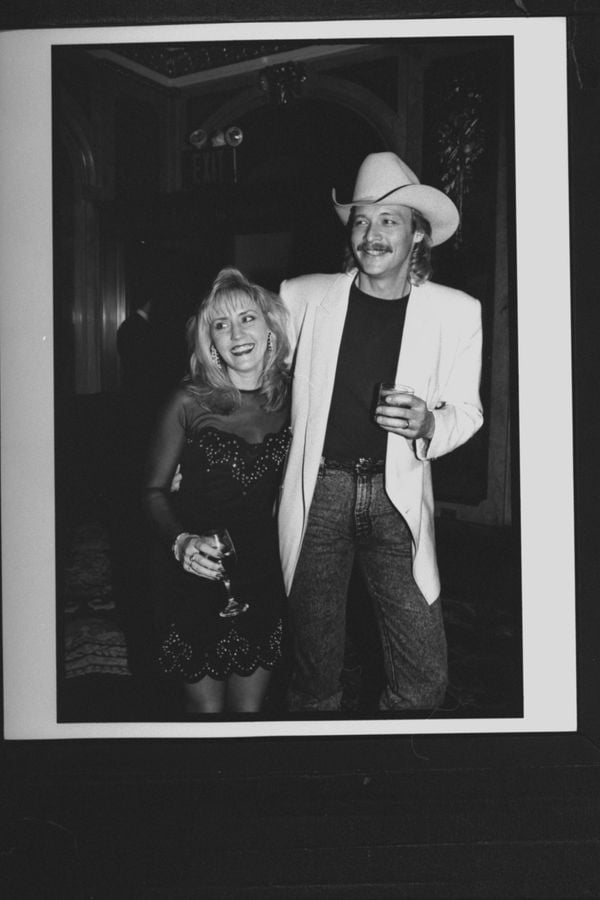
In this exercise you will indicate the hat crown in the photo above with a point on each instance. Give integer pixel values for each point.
(385, 178)
(379, 174)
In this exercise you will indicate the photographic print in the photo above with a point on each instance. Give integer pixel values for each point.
(172, 154)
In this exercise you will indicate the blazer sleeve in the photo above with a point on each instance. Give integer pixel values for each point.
(458, 412)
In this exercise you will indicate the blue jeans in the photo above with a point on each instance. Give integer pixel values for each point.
(352, 518)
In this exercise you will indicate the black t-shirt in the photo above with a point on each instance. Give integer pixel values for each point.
(368, 354)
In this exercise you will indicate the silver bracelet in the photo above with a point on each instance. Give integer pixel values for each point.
(175, 544)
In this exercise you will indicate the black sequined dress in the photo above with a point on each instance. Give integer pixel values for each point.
(231, 467)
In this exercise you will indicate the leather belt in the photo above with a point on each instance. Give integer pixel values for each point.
(361, 466)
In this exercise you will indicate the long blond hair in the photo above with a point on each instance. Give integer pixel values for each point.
(208, 377)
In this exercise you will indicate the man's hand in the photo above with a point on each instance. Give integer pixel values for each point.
(406, 415)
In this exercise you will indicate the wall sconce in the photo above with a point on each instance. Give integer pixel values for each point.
(198, 139)
(234, 136)
(230, 137)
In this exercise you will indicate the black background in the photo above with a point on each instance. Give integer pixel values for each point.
(370, 816)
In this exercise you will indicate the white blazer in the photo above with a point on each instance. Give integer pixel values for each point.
(440, 357)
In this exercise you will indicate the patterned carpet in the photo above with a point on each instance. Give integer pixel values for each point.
(482, 629)
(94, 643)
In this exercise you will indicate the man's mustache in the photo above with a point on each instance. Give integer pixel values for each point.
(368, 245)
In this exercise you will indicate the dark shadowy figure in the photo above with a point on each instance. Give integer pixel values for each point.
(139, 349)
(149, 364)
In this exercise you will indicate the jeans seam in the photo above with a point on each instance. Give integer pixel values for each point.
(384, 636)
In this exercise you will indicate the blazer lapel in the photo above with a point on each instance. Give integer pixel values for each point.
(414, 362)
(329, 321)
(414, 369)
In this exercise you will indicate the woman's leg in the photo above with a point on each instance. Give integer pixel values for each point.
(204, 696)
(246, 693)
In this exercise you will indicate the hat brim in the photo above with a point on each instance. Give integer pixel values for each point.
(437, 207)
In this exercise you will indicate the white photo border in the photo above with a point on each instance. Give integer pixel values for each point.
(544, 364)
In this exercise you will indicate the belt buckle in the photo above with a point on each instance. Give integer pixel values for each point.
(363, 465)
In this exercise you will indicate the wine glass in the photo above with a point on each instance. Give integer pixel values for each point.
(228, 558)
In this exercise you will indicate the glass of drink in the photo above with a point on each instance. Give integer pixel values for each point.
(391, 389)
(387, 388)
(227, 556)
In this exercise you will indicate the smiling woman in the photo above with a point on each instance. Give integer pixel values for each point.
(226, 426)
(241, 316)
(241, 338)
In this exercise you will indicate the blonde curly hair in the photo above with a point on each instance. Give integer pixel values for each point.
(208, 378)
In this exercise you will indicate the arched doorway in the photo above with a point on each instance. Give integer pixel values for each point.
(291, 157)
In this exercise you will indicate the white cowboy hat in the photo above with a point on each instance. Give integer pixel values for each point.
(384, 177)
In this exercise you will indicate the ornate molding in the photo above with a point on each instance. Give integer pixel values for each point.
(363, 102)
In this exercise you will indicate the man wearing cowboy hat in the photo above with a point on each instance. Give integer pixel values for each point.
(358, 482)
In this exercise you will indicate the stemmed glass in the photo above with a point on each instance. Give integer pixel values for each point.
(228, 558)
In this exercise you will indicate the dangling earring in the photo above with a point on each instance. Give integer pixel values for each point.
(269, 343)
(215, 357)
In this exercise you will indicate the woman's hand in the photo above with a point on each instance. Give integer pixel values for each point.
(199, 556)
